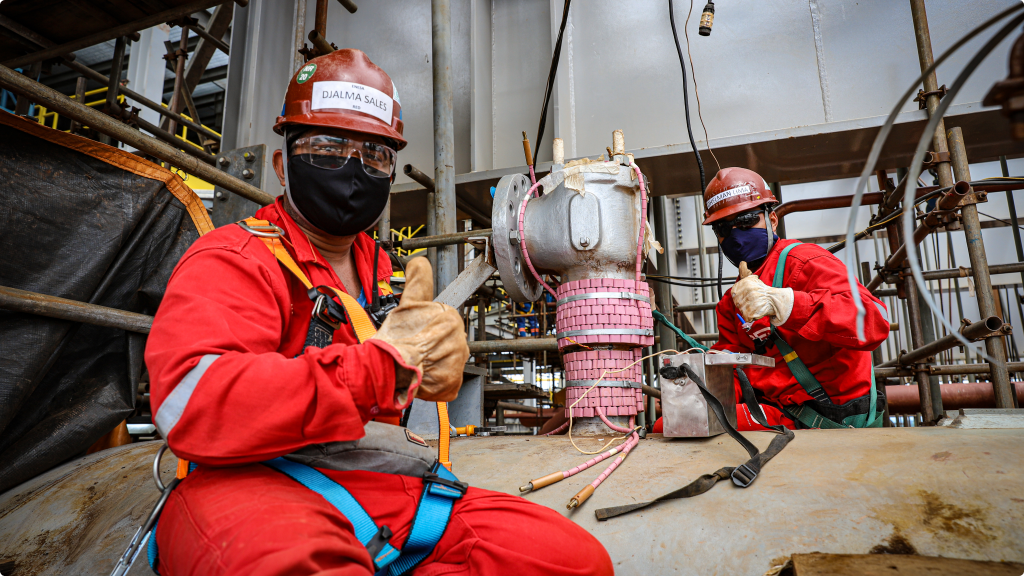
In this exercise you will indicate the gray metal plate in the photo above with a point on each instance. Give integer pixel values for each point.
(229, 207)
(508, 257)
(585, 221)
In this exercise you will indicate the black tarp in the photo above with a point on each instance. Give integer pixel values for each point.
(77, 224)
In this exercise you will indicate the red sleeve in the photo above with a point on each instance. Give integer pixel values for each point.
(824, 310)
(222, 394)
(728, 327)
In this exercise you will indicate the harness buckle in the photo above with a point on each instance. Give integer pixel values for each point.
(326, 309)
(268, 231)
(445, 487)
(743, 475)
(377, 543)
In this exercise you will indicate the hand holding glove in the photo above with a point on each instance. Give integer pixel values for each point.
(754, 299)
(429, 335)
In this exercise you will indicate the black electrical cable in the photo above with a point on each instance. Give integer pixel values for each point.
(696, 278)
(686, 100)
(683, 284)
(551, 81)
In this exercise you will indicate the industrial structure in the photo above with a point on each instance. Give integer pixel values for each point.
(575, 254)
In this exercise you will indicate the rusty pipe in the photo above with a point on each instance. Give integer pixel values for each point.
(906, 400)
(320, 21)
(218, 43)
(462, 202)
(991, 326)
(73, 310)
(349, 5)
(932, 220)
(179, 76)
(321, 43)
(104, 124)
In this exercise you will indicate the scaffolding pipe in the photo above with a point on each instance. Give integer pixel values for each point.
(947, 202)
(444, 140)
(931, 88)
(913, 307)
(442, 239)
(1005, 398)
(945, 370)
(904, 400)
(73, 310)
(519, 407)
(102, 123)
(973, 332)
(128, 29)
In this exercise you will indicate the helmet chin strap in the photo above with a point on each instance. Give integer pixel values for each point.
(768, 226)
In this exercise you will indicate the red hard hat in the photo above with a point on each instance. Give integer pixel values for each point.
(735, 190)
(345, 90)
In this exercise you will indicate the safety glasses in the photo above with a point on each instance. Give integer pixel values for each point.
(332, 152)
(744, 221)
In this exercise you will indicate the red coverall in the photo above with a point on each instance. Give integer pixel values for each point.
(227, 333)
(822, 329)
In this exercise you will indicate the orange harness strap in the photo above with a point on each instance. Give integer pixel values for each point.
(361, 323)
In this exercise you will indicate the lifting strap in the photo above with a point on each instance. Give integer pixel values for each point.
(804, 413)
(361, 323)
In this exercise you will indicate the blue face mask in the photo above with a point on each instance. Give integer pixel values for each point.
(750, 246)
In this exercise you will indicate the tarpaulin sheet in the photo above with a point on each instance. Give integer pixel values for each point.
(92, 223)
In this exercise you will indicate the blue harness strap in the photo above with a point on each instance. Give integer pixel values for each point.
(440, 490)
(365, 528)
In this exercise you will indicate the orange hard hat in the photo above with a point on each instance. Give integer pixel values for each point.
(735, 190)
(343, 89)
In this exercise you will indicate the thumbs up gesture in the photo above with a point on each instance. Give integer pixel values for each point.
(429, 335)
(754, 299)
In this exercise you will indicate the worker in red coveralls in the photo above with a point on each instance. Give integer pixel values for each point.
(801, 313)
(235, 381)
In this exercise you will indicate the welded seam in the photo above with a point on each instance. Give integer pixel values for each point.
(819, 52)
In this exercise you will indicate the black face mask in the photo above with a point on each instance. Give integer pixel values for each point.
(341, 202)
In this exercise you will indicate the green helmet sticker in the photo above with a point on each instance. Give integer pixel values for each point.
(306, 73)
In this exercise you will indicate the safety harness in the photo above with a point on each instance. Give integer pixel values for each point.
(440, 487)
(821, 412)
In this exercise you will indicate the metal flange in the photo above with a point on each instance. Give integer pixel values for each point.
(518, 282)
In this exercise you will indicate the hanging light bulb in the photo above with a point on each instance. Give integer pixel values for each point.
(707, 19)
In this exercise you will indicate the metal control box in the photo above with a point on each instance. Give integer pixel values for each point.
(685, 411)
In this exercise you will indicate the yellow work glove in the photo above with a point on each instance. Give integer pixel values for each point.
(429, 335)
(755, 299)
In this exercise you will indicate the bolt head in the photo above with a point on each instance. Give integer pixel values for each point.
(249, 157)
(584, 241)
(248, 174)
(223, 161)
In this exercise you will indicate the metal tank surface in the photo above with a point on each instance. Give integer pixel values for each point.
(931, 491)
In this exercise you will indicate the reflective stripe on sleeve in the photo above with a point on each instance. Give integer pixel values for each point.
(881, 309)
(174, 406)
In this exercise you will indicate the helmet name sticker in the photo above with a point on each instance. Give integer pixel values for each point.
(306, 73)
(728, 194)
(352, 96)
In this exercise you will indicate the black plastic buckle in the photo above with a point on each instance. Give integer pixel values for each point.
(387, 304)
(462, 487)
(377, 543)
(743, 476)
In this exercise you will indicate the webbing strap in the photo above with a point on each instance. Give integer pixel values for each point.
(686, 338)
(803, 413)
(360, 320)
(443, 435)
(432, 516)
(365, 528)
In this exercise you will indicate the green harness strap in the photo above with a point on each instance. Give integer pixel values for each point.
(686, 338)
(805, 414)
